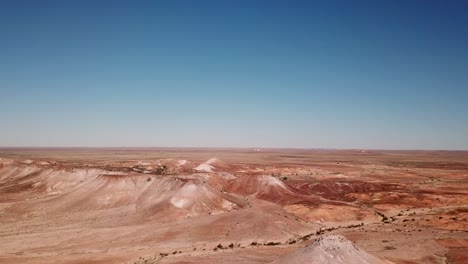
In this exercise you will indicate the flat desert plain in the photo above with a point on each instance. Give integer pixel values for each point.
(187, 205)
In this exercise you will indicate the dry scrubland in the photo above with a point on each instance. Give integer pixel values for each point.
(232, 206)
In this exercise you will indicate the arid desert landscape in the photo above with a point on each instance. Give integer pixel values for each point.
(234, 132)
(189, 205)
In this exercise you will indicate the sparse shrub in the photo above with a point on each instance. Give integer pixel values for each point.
(389, 248)
(231, 245)
(272, 243)
(253, 243)
(384, 218)
(161, 170)
(353, 226)
(306, 237)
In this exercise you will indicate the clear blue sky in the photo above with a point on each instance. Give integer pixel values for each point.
(308, 74)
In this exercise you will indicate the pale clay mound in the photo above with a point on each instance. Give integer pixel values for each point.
(204, 168)
(181, 162)
(207, 166)
(333, 249)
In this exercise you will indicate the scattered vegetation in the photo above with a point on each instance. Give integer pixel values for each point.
(161, 170)
(385, 219)
(353, 226)
(272, 243)
(306, 237)
(230, 246)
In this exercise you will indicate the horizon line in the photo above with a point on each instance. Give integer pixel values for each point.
(221, 148)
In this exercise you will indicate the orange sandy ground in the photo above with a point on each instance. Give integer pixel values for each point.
(151, 206)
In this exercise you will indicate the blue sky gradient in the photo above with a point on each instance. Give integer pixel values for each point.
(306, 74)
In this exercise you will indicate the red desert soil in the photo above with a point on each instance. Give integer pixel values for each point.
(166, 205)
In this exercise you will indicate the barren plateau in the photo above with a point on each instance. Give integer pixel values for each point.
(188, 205)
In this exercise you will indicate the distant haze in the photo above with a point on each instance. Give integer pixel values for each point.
(305, 74)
